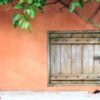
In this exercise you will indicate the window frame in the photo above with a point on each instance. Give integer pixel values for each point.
(49, 51)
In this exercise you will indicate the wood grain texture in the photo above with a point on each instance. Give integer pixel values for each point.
(97, 61)
(66, 59)
(55, 59)
(88, 59)
(76, 59)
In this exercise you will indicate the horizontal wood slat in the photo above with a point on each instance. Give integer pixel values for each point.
(75, 35)
(75, 41)
(75, 82)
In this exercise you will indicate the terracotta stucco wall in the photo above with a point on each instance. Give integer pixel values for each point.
(23, 55)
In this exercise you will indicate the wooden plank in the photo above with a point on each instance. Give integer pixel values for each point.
(55, 59)
(75, 82)
(96, 61)
(77, 77)
(75, 35)
(88, 59)
(55, 82)
(75, 40)
(66, 59)
(76, 59)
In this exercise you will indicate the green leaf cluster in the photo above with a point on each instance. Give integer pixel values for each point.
(79, 3)
(27, 9)
(76, 3)
(4, 1)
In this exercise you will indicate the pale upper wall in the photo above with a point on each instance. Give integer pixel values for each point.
(23, 55)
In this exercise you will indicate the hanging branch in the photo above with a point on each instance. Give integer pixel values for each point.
(97, 10)
(29, 8)
(88, 20)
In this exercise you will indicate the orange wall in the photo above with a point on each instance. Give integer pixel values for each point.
(23, 55)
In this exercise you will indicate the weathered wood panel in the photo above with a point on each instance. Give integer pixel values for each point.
(66, 59)
(88, 59)
(75, 41)
(76, 59)
(96, 61)
(76, 77)
(75, 35)
(55, 59)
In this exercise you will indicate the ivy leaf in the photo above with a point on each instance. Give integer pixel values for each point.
(1, 2)
(16, 17)
(16, 23)
(6, 1)
(32, 13)
(21, 1)
(18, 6)
(24, 25)
(38, 4)
(77, 3)
(30, 1)
(30, 27)
(43, 2)
(25, 17)
(20, 22)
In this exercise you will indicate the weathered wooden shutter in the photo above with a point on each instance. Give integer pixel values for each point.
(74, 58)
